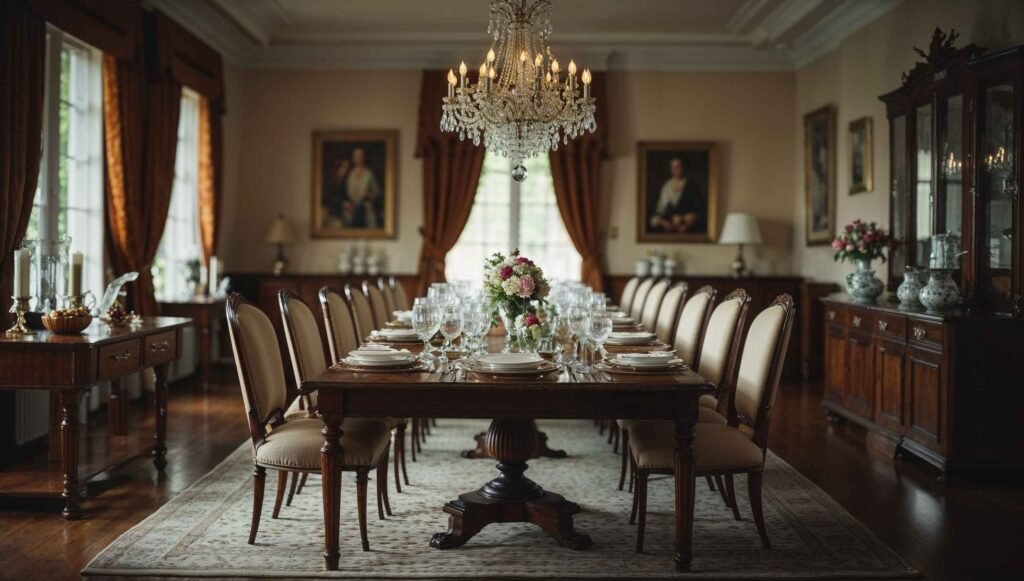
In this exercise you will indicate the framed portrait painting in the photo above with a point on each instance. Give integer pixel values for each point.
(354, 179)
(820, 174)
(861, 178)
(677, 193)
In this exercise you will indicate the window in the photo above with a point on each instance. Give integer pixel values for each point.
(69, 200)
(507, 215)
(180, 242)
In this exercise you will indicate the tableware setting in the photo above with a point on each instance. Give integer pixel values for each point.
(395, 335)
(630, 338)
(650, 362)
(382, 358)
(511, 365)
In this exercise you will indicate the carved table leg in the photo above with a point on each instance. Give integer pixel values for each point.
(68, 412)
(330, 478)
(160, 409)
(117, 411)
(542, 448)
(686, 486)
(511, 497)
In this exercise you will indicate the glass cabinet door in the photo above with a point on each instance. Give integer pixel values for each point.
(899, 193)
(921, 215)
(998, 189)
(951, 167)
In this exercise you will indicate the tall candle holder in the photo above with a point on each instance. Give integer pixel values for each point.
(19, 308)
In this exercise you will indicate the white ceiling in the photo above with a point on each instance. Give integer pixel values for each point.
(606, 34)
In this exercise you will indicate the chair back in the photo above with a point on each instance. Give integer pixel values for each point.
(720, 347)
(389, 296)
(401, 299)
(764, 352)
(377, 305)
(258, 362)
(649, 316)
(628, 294)
(668, 314)
(302, 334)
(636, 309)
(341, 327)
(362, 313)
(692, 322)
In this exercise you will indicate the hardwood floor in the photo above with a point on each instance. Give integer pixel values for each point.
(967, 531)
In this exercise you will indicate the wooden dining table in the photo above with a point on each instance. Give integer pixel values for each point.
(511, 438)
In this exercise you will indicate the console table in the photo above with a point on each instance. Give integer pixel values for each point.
(204, 312)
(67, 366)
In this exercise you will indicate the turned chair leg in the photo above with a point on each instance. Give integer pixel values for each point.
(361, 482)
(291, 489)
(433, 421)
(401, 442)
(282, 483)
(618, 437)
(720, 484)
(711, 483)
(625, 458)
(632, 472)
(731, 491)
(382, 485)
(641, 493)
(754, 480)
(413, 437)
(259, 479)
(636, 505)
(600, 427)
(302, 482)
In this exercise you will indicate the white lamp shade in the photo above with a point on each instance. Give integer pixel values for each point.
(280, 231)
(740, 228)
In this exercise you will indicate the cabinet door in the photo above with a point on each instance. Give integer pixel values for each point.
(925, 403)
(860, 387)
(890, 359)
(835, 364)
(999, 193)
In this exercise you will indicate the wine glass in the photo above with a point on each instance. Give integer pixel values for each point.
(476, 323)
(600, 328)
(426, 320)
(451, 328)
(578, 318)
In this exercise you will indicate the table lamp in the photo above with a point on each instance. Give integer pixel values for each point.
(280, 233)
(740, 228)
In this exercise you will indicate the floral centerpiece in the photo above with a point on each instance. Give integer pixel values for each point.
(860, 243)
(513, 285)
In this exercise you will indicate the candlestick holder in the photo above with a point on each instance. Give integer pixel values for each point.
(19, 308)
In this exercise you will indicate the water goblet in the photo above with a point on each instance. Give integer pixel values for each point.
(451, 328)
(600, 328)
(426, 320)
(579, 320)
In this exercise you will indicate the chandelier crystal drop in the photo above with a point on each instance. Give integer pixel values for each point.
(521, 105)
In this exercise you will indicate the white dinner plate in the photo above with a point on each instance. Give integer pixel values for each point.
(653, 359)
(360, 362)
(397, 334)
(404, 316)
(511, 361)
(375, 353)
(630, 337)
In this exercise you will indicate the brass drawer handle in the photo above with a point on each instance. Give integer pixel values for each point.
(919, 333)
(883, 325)
(831, 315)
(856, 321)
(160, 346)
(121, 355)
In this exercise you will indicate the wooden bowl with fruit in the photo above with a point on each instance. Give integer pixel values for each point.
(67, 321)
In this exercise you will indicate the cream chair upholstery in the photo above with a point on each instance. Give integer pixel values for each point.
(401, 299)
(305, 348)
(718, 352)
(361, 312)
(652, 306)
(286, 446)
(724, 450)
(389, 296)
(628, 294)
(668, 314)
(378, 306)
(636, 309)
(692, 322)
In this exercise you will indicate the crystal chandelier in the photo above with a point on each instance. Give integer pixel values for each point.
(521, 104)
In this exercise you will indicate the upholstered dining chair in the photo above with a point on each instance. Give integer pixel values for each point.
(628, 293)
(362, 312)
(306, 349)
(401, 299)
(378, 306)
(652, 306)
(636, 308)
(668, 315)
(738, 447)
(389, 296)
(342, 339)
(277, 443)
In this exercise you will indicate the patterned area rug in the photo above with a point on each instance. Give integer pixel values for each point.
(202, 532)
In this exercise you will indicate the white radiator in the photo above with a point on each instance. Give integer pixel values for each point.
(31, 415)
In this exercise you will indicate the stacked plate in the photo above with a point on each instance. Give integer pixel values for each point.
(646, 362)
(513, 364)
(623, 322)
(380, 356)
(396, 335)
(403, 316)
(630, 338)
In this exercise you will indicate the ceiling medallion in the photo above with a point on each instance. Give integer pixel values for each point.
(521, 105)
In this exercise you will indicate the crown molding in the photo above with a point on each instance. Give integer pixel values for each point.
(839, 24)
(210, 25)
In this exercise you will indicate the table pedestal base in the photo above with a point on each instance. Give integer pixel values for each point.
(542, 448)
(511, 497)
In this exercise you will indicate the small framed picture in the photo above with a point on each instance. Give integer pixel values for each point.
(820, 174)
(354, 179)
(861, 171)
(677, 192)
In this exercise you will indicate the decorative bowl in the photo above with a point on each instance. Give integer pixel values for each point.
(66, 325)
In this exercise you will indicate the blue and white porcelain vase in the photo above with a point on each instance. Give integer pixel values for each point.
(909, 290)
(862, 284)
(941, 293)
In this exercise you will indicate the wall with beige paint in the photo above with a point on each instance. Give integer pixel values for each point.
(866, 64)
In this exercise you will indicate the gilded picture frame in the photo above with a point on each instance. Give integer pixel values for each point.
(677, 191)
(355, 175)
(860, 156)
(820, 175)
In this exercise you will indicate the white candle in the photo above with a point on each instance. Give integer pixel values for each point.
(214, 273)
(21, 273)
(75, 274)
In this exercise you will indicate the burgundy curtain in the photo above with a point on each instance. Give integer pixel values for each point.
(451, 170)
(141, 133)
(576, 173)
(22, 81)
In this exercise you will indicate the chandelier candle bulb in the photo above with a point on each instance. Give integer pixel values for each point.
(490, 56)
(451, 83)
(462, 74)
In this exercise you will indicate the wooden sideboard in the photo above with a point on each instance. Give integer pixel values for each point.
(803, 361)
(944, 387)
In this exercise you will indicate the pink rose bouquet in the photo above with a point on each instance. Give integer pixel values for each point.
(861, 240)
